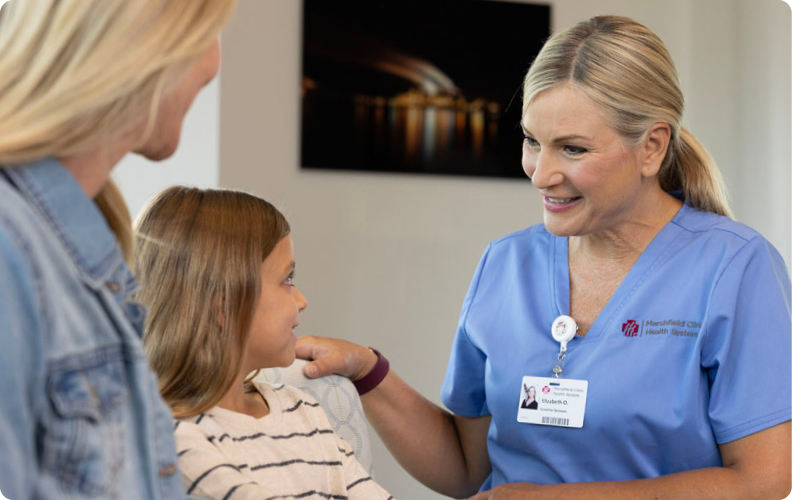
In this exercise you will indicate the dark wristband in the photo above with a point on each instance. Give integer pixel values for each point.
(373, 378)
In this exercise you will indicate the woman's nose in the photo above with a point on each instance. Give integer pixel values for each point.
(542, 170)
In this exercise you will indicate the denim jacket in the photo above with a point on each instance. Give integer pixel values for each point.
(80, 412)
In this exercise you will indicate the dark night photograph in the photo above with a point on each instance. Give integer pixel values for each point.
(421, 86)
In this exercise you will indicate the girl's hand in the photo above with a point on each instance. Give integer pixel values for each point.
(335, 356)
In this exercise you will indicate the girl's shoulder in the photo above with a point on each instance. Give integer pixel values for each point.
(288, 399)
(204, 423)
(200, 430)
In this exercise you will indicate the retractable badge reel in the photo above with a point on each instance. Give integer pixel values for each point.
(560, 402)
(564, 329)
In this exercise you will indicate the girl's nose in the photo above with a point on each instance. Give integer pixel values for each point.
(302, 302)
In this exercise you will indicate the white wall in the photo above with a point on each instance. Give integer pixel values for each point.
(761, 183)
(195, 163)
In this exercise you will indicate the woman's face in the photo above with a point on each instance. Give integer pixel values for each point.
(271, 340)
(164, 139)
(532, 392)
(589, 178)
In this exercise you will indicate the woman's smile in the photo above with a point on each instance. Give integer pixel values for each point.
(560, 204)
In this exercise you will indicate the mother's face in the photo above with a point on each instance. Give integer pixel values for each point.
(164, 139)
(589, 177)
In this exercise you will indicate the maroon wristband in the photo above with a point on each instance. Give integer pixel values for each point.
(373, 378)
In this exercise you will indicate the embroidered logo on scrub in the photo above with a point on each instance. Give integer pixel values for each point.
(673, 327)
(630, 328)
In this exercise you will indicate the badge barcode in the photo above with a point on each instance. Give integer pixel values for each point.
(555, 421)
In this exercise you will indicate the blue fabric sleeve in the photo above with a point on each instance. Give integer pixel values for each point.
(746, 350)
(463, 390)
(20, 370)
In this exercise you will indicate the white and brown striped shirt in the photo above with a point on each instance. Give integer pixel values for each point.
(292, 453)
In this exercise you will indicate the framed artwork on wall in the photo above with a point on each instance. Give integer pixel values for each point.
(421, 86)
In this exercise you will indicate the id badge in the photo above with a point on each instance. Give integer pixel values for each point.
(552, 401)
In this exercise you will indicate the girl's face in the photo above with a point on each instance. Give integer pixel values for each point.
(271, 340)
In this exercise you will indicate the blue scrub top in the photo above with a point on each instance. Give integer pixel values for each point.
(708, 363)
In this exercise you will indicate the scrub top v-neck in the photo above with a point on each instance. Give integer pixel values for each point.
(650, 258)
(671, 361)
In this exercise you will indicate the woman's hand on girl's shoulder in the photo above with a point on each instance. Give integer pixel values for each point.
(330, 356)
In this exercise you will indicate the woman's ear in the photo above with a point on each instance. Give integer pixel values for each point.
(654, 148)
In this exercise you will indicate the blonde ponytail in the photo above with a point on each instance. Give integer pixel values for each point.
(690, 168)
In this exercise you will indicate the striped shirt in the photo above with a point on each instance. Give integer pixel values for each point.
(291, 453)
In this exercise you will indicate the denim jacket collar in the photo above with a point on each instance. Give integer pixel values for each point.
(77, 222)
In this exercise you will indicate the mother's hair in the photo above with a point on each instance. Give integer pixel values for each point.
(77, 73)
(624, 67)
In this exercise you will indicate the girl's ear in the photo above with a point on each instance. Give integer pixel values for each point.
(218, 309)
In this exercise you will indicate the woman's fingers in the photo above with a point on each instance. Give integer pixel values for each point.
(334, 356)
(326, 358)
(316, 369)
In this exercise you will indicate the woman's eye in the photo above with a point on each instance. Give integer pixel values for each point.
(289, 280)
(531, 142)
(574, 150)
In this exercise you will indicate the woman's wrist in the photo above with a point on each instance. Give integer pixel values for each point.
(367, 360)
(376, 368)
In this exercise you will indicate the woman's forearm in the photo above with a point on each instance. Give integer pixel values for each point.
(758, 466)
(703, 484)
(446, 453)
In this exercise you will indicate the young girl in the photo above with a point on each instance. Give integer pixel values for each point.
(216, 270)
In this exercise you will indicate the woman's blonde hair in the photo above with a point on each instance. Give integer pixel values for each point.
(624, 67)
(198, 258)
(75, 74)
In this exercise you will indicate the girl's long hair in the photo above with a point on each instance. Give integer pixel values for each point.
(198, 258)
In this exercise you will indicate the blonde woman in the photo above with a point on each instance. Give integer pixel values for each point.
(678, 309)
(83, 83)
(217, 271)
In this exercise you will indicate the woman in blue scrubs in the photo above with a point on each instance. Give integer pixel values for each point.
(83, 83)
(676, 308)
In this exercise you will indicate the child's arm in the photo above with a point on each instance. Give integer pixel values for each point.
(206, 471)
(359, 484)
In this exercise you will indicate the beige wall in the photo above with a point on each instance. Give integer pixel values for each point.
(385, 260)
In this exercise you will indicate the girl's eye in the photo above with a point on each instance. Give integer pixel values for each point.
(290, 279)
(531, 142)
(574, 150)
